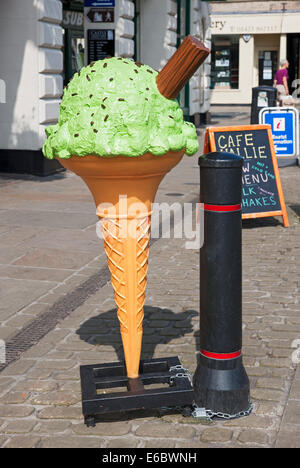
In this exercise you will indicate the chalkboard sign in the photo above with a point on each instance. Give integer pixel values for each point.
(262, 191)
(101, 44)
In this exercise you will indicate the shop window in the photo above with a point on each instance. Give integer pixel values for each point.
(225, 62)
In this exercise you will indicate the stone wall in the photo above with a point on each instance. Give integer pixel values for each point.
(50, 42)
(124, 28)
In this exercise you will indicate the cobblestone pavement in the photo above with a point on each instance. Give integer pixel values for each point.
(49, 248)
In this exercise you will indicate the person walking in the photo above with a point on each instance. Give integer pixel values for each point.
(281, 80)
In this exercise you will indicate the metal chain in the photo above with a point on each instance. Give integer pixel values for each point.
(178, 367)
(179, 375)
(202, 413)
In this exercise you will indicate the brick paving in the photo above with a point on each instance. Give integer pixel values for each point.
(49, 248)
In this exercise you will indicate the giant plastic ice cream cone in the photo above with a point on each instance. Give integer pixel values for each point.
(121, 131)
(123, 192)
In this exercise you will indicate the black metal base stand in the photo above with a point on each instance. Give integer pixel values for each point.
(178, 390)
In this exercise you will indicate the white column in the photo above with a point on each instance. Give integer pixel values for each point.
(158, 31)
(283, 47)
(246, 65)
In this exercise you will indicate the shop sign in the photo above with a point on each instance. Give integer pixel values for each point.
(255, 23)
(101, 15)
(100, 3)
(101, 44)
(72, 18)
(284, 122)
(262, 194)
(218, 24)
(245, 25)
(247, 37)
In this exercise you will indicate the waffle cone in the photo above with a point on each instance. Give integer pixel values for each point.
(127, 257)
(126, 231)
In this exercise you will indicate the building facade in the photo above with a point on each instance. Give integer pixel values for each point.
(44, 42)
(249, 39)
(31, 60)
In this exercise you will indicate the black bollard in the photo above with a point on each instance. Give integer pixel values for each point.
(221, 384)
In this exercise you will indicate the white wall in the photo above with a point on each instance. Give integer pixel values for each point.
(30, 66)
(124, 28)
(158, 26)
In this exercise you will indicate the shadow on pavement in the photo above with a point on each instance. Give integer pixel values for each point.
(6, 178)
(161, 326)
(261, 222)
(296, 209)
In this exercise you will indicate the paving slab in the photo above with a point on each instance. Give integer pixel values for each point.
(17, 294)
(47, 219)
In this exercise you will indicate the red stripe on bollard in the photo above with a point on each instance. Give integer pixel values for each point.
(221, 356)
(227, 208)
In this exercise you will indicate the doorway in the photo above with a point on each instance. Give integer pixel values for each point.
(293, 56)
(267, 66)
(74, 53)
(73, 19)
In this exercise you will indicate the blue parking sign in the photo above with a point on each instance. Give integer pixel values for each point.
(99, 3)
(284, 123)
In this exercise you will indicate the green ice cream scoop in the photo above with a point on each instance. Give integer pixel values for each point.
(113, 107)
